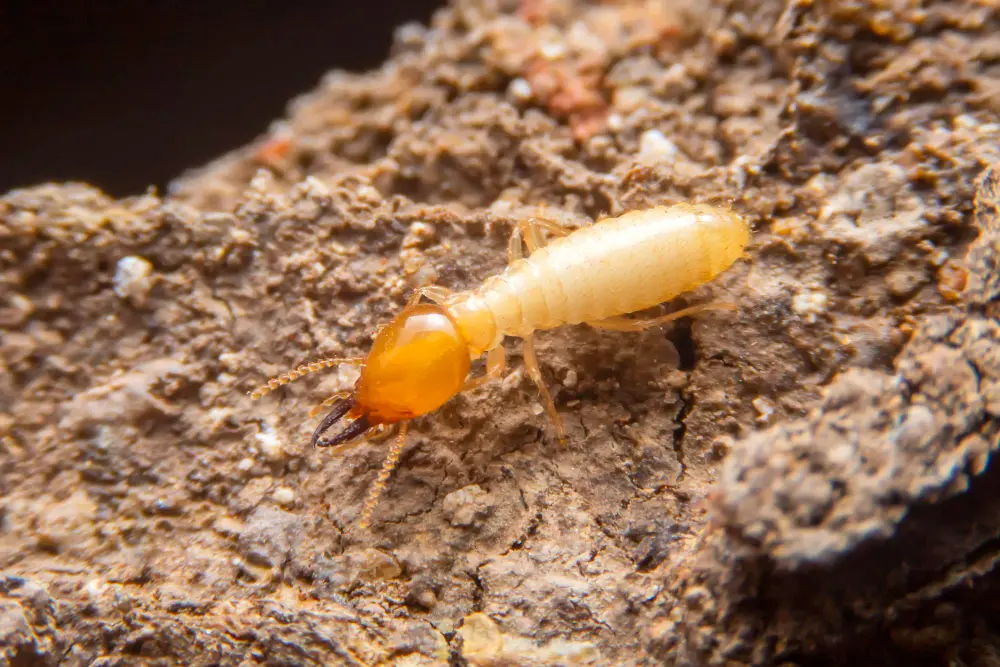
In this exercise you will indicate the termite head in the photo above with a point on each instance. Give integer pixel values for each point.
(417, 362)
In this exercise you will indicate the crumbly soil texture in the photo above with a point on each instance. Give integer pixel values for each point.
(805, 480)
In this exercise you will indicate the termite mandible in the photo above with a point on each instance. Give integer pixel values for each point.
(594, 275)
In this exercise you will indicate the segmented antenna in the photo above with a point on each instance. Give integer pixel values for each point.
(296, 373)
(378, 487)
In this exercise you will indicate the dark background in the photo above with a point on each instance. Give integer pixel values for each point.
(125, 94)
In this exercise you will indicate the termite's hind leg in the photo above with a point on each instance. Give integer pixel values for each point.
(531, 363)
(378, 487)
(629, 324)
(496, 362)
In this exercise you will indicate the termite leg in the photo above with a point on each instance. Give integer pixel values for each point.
(531, 362)
(496, 362)
(435, 293)
(378, 487)
(328, 402)
(628, 324)
(529, 230)
(515, 251)
(379, 433)
(534, 238)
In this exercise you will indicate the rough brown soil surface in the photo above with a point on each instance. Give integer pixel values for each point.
(802, 482)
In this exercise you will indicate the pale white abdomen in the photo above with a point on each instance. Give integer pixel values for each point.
(614, 267)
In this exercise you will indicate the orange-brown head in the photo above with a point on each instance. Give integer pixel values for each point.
(417, 362)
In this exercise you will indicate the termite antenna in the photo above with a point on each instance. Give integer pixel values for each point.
(296, 373)
(375, 493)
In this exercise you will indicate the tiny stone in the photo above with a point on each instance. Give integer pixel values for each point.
(94, 588)
(228, 526)
(131, 279)
(654, 144)
(520, 90)
(270, 445)
(905, 281)
(553, 50)
(230, 361)
(419, 234)
(511, 382)
(810, 304)
(315, 187)
(244, 465)
(571, 378)
(283, 496)
(764, 408)
(426, 598)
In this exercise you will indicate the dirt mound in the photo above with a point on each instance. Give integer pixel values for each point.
(803, 481)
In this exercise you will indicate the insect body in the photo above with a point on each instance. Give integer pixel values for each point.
(596, 274)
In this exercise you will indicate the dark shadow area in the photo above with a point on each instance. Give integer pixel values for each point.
(125, 95)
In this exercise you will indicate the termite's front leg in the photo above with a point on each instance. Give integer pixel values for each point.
(496, 362)
(530, 231)
(435, 293)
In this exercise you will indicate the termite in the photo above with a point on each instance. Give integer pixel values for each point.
(596, 274)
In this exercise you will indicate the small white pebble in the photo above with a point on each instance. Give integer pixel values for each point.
(269, 444)
(315, 187)
(537, 409)
(653, 144)
(21, 304)
(520, 90)
(764, 408)
(94, 588)
(553, 50)
(230, 361)
(244, 465)
(571, 378)
(369, 194)
(262, 181)
(228, 526)
(131, 279)
(283, 496)
(809, 304)
(511, 382)
(423, 230)
(630, 98)
(418, 234)
(965, 122)
(615, 122)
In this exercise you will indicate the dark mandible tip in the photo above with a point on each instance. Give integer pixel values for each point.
(356, 428)
(340, 409)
